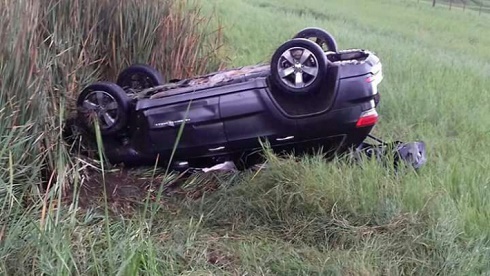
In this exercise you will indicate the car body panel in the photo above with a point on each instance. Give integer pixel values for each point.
(250, 115)
(201, 123)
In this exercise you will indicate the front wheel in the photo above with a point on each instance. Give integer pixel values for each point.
(299, 66)
(139, 77)
(105, 102)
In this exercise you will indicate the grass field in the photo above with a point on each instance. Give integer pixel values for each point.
(296, 218)
(437, 68)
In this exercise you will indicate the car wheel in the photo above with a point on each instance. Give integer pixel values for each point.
(299, 66)
(139, 76)
(105, 102)
(320, 36)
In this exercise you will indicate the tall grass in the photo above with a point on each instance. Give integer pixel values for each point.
(50, 50)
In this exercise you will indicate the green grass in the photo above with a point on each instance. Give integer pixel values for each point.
(299, 217)
(436, 86)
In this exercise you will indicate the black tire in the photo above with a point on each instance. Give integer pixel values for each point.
(139, 76)
(322, 38)
(284, 66)
(107, 102)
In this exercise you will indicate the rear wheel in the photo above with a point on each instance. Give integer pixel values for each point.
(299, 66)
(139, 77)
(320, 37)
(105, 102)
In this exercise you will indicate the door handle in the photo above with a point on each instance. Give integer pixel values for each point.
(217, 149)
(285, 138)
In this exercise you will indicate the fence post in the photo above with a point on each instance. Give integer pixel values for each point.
(450, 4)
(433, 3)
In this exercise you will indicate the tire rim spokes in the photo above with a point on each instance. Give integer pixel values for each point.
(104, 106)
(298, 67)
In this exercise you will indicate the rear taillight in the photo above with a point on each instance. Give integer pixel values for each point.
(368, 118)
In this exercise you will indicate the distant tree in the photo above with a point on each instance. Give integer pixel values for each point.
(433, 3)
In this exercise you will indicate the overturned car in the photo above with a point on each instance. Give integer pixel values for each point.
(311, 96)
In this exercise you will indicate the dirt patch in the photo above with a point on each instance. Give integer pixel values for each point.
(127, 189)
(123, 189)
(119, 185)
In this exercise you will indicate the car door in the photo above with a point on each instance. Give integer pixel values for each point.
(203, 131)
(249, 115)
